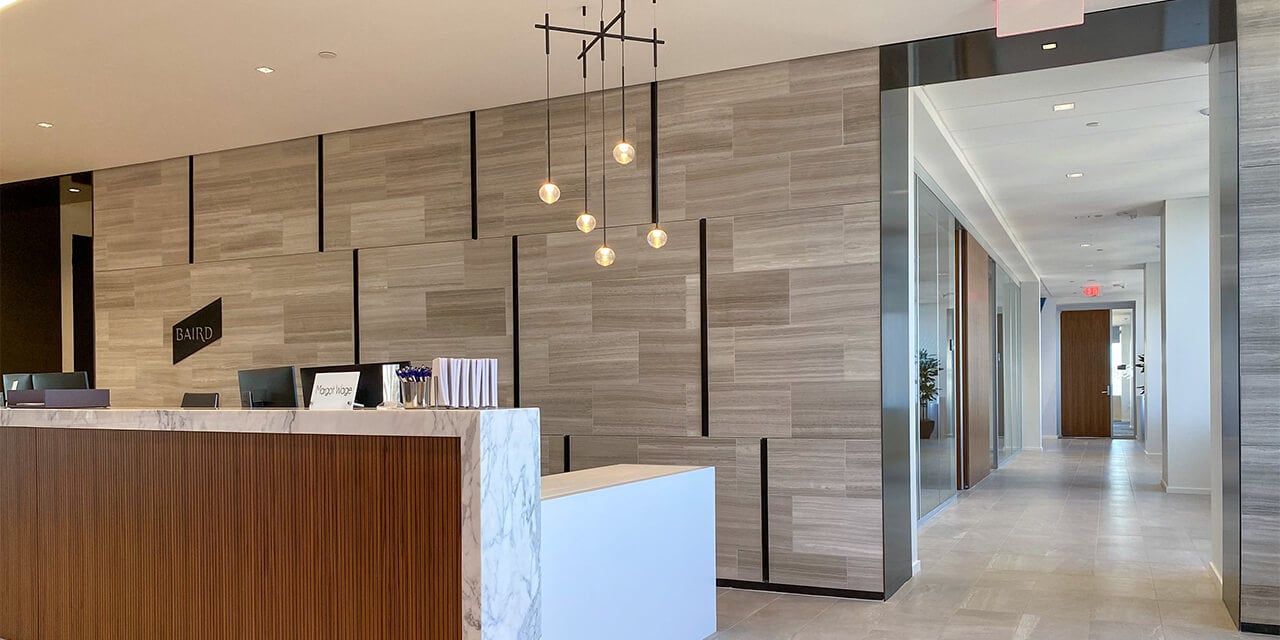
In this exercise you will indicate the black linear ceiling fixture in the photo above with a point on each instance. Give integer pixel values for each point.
(624, 153)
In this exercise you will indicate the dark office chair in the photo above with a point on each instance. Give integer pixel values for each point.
(16, 382)
(199, 401)
(69, 380)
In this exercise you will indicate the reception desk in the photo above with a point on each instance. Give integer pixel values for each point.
(200, 525)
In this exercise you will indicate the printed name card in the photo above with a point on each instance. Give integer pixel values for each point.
(334, 390)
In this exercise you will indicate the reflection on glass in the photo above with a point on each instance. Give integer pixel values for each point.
(936, 307)
(1122, 390)
(1008, 395)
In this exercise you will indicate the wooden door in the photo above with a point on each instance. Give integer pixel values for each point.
(977, 363)
(1085, 373)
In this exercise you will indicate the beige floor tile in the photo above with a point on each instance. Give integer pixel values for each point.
(1201, 633)
(1000, 599)
(1211, 615)
(981, 625)
(734, 606)
(1033, 627)
(1101, 630)
(1130, 610)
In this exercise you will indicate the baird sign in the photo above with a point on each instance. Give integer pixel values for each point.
(197, 331)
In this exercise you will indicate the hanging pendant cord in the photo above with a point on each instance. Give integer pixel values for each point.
(586, 180)
(604, 183)
(547, 18)
(622, 5)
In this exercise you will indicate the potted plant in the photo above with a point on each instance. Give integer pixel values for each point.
(929, 368)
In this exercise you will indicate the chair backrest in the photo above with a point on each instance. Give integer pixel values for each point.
(15, 382)
(199, 401)
(69, 380)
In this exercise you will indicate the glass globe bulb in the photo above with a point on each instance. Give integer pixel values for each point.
(624, 153)
(605, 255)
(657, 238)
(586, 222)
(549, 192)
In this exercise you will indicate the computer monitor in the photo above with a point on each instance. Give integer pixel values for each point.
(69, 380)
(369, 391)
(274, 388)
(16, 382)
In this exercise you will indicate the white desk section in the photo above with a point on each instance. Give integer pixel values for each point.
(629, 553)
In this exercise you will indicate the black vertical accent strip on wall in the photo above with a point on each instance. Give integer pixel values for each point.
(355, 299)
(653, 149)
(566, 452)
(764, 509)
(320, 190)
(191, 209)
(515, 321)
(475, 192)
(704, 338)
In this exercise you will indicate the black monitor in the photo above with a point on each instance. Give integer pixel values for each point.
(16, 382)
(368, 390)
(274, 388)
(70, 380)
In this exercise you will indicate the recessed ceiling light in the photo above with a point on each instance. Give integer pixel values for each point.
(1065, 106)
(45, 125)
(1085, 244)
(264, 70)
(1093, 124)
(327, 55)
(1049, 46)
(73, 190)
(1075, 174)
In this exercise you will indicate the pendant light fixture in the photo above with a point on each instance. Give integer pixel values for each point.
(548, 192)
(624, 152)
(605, 254)
(586, 221)
(657, 237)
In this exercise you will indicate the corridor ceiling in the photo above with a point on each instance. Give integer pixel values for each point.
(1137, 135)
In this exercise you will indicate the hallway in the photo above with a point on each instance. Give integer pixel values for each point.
(1075, 542)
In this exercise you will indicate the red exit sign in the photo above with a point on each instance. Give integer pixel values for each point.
(1092, 291)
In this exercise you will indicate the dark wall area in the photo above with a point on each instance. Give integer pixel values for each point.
(30, 277)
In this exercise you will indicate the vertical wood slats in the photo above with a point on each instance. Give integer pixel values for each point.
(195, 536)
(18, 555)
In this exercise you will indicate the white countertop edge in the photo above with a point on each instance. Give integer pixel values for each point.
(562, 485)
(414, 422)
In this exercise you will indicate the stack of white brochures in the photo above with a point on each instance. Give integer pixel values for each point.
(464, 383)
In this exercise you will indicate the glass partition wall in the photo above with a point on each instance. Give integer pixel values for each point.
(1121, 386)
(1007, 434)
(935, 331)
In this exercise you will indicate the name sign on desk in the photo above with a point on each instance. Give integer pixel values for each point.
(335, 390)
(197, 331)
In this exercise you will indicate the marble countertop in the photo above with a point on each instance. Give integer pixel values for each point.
(423, 422)
(574, 482)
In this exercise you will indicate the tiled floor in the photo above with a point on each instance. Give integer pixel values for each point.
(1075, 542)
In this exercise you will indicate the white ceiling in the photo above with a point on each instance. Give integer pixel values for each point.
(133, 80)
(1151, 144)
